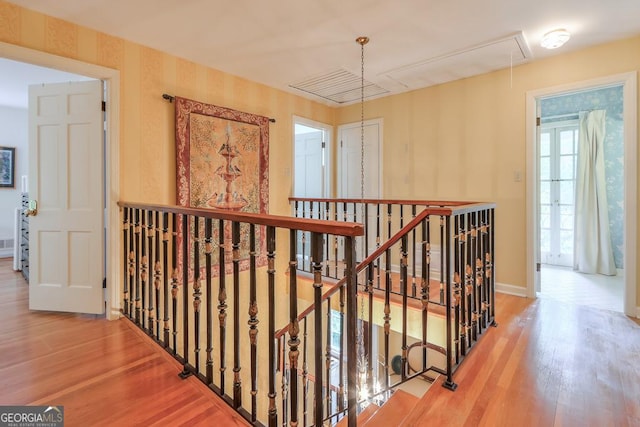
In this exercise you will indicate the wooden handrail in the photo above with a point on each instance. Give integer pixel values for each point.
(437, 207)
(337, 228)
(375, 254)
(389, 243)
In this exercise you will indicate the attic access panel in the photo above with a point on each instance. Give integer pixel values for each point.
(475, 60)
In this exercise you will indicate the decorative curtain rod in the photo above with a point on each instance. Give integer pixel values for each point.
(170, 98)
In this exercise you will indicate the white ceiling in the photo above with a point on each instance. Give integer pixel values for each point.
(414, 43)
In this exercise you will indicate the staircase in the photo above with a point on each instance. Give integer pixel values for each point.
(393, 412)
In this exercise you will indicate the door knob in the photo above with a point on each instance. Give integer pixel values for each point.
(32, 210)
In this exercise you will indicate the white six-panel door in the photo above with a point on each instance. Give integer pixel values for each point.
(351, 170)
(66, 243)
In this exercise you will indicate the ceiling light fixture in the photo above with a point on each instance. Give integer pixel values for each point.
(554, 39)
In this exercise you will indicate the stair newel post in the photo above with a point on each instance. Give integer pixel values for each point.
(174, 281)
(185, 296)
(137, 265)
(424, 288)
(165, 277)
(157, 274)
(253, 321)
(446, 253)
(271, 272)
(208, 250)
(222, 302)
(405, 291)
(197, 293)
(316, 255)
(294, 330)
(125, 263)
(235, 245)
(352, 307)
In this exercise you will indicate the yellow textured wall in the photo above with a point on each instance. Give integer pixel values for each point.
(464, 140)
(147, 152)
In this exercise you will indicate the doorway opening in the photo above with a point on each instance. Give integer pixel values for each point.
(554, 242)
(110, 180)
(558, 164)
(312, 155)
(311, 174)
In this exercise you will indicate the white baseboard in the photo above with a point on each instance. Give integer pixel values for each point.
(518, 291)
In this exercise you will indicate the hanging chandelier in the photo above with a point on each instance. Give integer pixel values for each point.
(362, 362)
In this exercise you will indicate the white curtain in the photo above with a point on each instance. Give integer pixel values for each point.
(593, 252)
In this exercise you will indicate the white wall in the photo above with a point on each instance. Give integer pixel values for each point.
(14, 133)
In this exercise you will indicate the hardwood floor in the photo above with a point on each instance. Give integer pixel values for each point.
(103, 373)
(546, 364)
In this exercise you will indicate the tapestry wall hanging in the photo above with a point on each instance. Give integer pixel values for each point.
(222, 163)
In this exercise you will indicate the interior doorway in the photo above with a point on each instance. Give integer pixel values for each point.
(558, 163)
(311, 175)
(111, 131)
(312, 158)
(552, 122)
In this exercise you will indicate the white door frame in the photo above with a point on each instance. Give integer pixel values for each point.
(113, 249)
(328, 153)
(629, 83)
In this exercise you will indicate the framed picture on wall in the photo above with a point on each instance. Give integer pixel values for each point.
(7, 167)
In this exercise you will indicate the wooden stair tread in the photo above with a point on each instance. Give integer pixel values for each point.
(362, 417)
(394, 410)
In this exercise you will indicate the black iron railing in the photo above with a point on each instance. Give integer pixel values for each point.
(432, 258)
(197, 280)
(201, 282)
